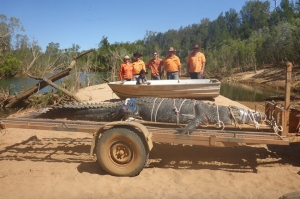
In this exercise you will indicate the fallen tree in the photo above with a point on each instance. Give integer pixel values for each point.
(12, 101)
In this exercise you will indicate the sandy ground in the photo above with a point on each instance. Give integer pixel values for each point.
(50, 164)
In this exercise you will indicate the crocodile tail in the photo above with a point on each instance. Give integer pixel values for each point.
(104, 112)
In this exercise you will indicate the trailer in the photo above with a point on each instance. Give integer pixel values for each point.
(122, 147)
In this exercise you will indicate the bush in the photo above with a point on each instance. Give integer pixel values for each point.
(9, 66)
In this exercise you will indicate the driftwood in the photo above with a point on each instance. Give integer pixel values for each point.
(13, 100)
(48, 81)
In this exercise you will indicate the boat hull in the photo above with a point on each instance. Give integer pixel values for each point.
(186, 88)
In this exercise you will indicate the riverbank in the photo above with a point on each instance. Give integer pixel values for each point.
(272, 78)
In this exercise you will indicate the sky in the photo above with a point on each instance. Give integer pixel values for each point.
(86, 22)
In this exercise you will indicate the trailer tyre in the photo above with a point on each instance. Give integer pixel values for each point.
(121, 152)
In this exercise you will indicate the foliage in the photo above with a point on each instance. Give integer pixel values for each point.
(8, 66)
(260, 33)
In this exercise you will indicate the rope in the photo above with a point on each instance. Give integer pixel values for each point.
(153, 108)
(126, 101)
(178, 111)
(277, 128)
(158, 107)
(256, 124)
(265, 118)
(244, 117)
(220, 126)
(235, 122)
(219, 122)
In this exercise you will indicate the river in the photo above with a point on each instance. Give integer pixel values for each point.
(243, 92)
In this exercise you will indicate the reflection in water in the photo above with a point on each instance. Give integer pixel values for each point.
(243, 92)
(19, 84)
(16, 85)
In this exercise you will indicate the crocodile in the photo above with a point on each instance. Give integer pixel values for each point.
(180, 111)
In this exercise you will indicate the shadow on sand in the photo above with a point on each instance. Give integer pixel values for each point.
(234, 159)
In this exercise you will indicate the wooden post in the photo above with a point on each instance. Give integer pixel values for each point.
(286, 112)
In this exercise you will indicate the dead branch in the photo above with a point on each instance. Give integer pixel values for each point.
(48, 81)
(13, 100)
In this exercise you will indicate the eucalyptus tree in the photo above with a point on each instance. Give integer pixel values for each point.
(218, 32)
(286, 10)
(254, 15)
(150, 42)
(296, 40)
(203, 34)
(9, 27)
(9, 63)
(297, 8)
(278, 46)
(233, 23)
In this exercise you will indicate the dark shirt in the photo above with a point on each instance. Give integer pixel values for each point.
(141, 79)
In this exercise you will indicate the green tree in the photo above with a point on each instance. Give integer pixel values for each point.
(9, 66)
(218, 32)
(254, 15)
(233, 23)
(286, 11)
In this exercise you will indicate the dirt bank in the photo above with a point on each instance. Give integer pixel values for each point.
(270, 78)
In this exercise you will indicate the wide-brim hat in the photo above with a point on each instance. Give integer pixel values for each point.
(137, 54)
(142, 72)
(195, 47)
(126, 57)
(171, 49)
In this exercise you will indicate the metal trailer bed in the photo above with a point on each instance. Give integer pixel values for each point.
(161, 132)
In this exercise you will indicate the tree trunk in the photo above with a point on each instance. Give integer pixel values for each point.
(14, 100)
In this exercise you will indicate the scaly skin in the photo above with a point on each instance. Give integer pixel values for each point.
(183, 111)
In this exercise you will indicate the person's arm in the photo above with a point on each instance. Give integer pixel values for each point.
(179, 70)
(163, 69)
(202, 70)
(138, 81)
(179, 67)
(203, 63)
(148, 65)
(121, 73)
(188, 67)
(146, 82)
(143, 66)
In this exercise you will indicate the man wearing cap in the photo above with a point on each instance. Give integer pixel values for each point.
(196, 63)
(125, 72)
(155, 66)
(138, 65)
(172, 65)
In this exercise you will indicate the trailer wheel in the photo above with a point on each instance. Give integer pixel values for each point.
(121, 152)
